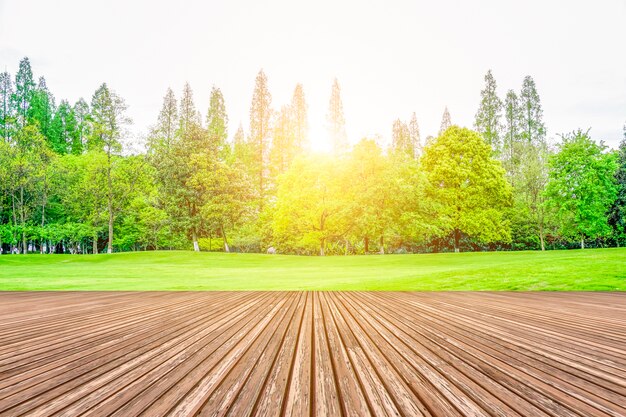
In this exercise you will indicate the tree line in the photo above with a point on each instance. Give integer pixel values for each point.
(69, 183)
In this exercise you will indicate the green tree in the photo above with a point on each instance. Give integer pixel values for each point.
(260, 131)
(24, 89)
(217, 123)
(414, 134)
(582, 186)
(284, 147)
(511, 146)
(336, 121)
(487, 121)
(6, 109)
(42, 108)
(468, 186)
(401, 141)
(310, 205)
(300, 119)
(63, 134)
(108, 121)
(81, 113)
(617, 214)
(533, 130)
(446, 121)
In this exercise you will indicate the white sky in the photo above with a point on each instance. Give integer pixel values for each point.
(391, 57)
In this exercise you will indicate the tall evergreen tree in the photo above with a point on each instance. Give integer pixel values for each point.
(401, 138)
(336, 121)
(533, 130)
(487, 121)
(6, 110)
(188, 116)
(42, 108)
(24, 88)
(512, 130)
(260, 133)
(168, 119)
(284, 141)
(217, 123)
(300, 118)
(63, 133)
(414, 133)
(81, 116)
(446, 121)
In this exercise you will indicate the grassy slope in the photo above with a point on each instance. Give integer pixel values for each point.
(591, 269)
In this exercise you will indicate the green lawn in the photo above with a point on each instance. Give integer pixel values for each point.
(590, 269)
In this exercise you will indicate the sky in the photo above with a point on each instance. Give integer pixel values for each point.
(391, 58)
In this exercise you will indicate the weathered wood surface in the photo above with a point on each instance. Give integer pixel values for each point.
(315, 353)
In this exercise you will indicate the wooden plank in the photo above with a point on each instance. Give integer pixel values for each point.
(312, 353)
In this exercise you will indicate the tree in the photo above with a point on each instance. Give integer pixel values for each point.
(300, 119)
(336, 121)
(165, 130)
(217, 123)
(533, 130)
(24, 88)
(6, 110)
(81, 116)
(617, 214)
(284, 148)
(582, 186)
(310, 208)
(108, 120)
(260, 130)
(414, 134)
(512, 132)
(487, 121)
(468, 186)
(446, 121)
(63, 136)
(42, 108)
(401, 141)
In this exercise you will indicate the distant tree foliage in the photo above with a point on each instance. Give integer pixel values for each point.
(487, 121)
(336, 121)
(73, 181)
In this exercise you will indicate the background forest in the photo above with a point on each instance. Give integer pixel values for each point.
(71, 180)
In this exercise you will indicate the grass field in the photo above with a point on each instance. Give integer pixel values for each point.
(574, 270)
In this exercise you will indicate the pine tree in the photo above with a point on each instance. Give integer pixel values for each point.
(446, 121)
(241, 148)
(300, 119)
(260, 131)
(63, 129)
(617, 214)
(531, 114)
(512, 120)
(217, 123)
(24, 88)
(6, 111)
(42, 108)
(414, 134)
(336, 121)
(188, 115)
(81, 117)
(487, 121)
(284, 141)
(168, 119)
(401, 138)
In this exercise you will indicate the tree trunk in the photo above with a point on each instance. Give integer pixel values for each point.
(322, 247)
(382, 245)
(543, 244)
(194, 238)
(110, 202)
(457, 237)
(582, 242)
(367, 244)
(95, 244)
(226, 248)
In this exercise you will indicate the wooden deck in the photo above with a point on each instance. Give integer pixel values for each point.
(323, 354)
